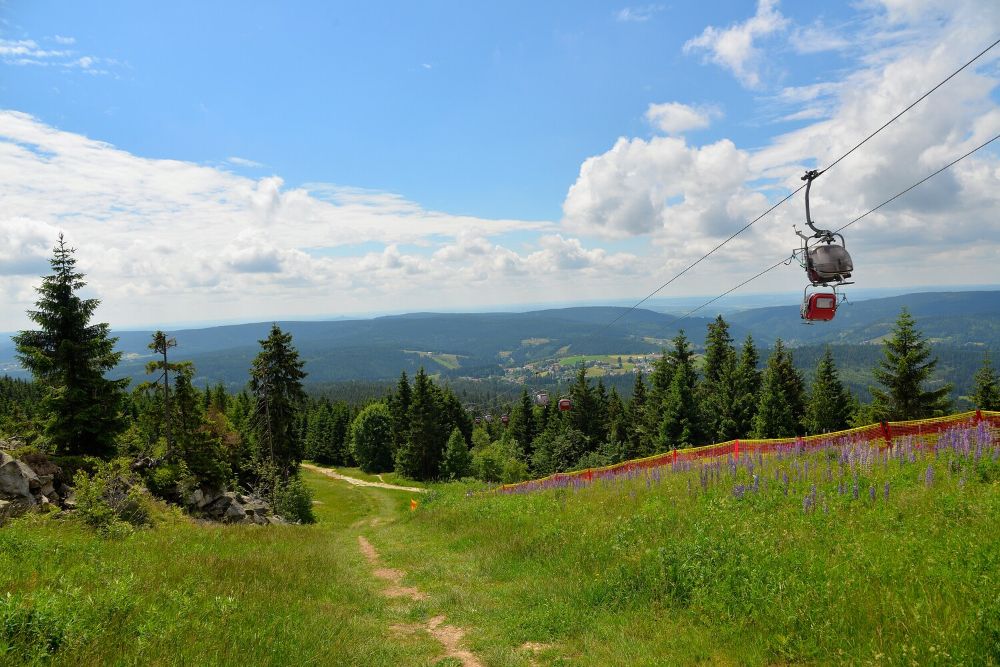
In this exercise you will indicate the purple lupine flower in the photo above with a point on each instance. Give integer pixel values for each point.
(855, 494)
(871, 493)
(885, 491)
(929, 475)
(756, 483)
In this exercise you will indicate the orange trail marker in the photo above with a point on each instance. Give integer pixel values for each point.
(413, 505)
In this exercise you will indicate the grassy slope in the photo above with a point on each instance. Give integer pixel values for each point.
(625, 574)
(190, 594)
(633, 572)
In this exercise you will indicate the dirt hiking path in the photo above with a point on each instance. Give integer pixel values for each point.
(449, 635)
(330, 472)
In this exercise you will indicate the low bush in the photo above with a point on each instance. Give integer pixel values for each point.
(111, 499)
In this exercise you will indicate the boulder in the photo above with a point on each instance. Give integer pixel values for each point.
(47, 487)
(17, 481)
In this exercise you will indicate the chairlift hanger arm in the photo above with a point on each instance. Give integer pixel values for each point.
(809, 177)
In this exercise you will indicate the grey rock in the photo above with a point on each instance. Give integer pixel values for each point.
(17, 480)
(47, 488)
(234, 513)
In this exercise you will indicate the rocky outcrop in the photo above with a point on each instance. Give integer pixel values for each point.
(22, 487)
(230, 507)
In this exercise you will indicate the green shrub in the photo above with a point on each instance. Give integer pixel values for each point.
(292, 500)
(111, 496)
(170, 481)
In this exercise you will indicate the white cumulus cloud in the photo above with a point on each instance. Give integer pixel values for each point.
(734, 47)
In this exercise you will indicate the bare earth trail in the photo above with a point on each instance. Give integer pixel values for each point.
(449, 636)
(330, 472)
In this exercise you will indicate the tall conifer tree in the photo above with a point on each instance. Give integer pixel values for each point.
(986, 395)
(276, 384)
(717, 390)
(775, 417)
(419, 457)
(903, 372)
(830, 404)
(681, 425)
(638, 440)
(69, 357)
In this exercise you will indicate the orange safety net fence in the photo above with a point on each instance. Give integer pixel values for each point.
(885, 433)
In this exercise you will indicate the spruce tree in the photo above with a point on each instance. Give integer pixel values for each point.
(522, 423)
(457, 460)
(903, 372)
(583, 416)
(419, 457)
(746, 392)
(681, 425)
(616, 430)
(197, 446)
(319, 444)
(276, 384)
(830, 406)
(69, 357)
(340, 424)
(987, 387)
(161, 345)
(399, 408)
(775, 417)
(716, 393)
(659, 380)
(637, 441)
(794, 386)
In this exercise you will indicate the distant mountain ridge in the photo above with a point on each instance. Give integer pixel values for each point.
(481, 344)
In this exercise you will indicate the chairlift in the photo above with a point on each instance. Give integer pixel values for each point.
(819, 306)
(565, 404)
(826, 262)
(505, 419)
(541, 398)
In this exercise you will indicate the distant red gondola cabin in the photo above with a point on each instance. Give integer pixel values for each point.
(505, 419)
(565, 404)
(821, 307)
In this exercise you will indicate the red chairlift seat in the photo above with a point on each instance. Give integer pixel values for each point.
(565, 404)
(821, 307)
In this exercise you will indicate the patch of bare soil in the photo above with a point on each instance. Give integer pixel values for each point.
(449, 635)
(451, 638)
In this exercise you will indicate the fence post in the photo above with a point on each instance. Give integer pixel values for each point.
(887, 434)
(979, 416)
(675, 456)
(736, 449)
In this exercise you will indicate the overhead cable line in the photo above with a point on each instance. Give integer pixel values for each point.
(857, 219)
(796, 191)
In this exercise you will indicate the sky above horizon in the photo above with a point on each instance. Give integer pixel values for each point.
(238, 161)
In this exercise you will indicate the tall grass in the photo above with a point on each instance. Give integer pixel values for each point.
(849, 554)
(193, 594)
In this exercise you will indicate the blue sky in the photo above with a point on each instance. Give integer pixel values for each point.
(465, 154)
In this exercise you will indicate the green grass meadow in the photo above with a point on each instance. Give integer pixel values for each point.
(682, 568)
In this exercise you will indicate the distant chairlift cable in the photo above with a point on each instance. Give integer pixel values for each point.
(797, 190)
(896, 196)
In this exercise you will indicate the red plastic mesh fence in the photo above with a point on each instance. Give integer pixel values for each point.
(885, 433)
